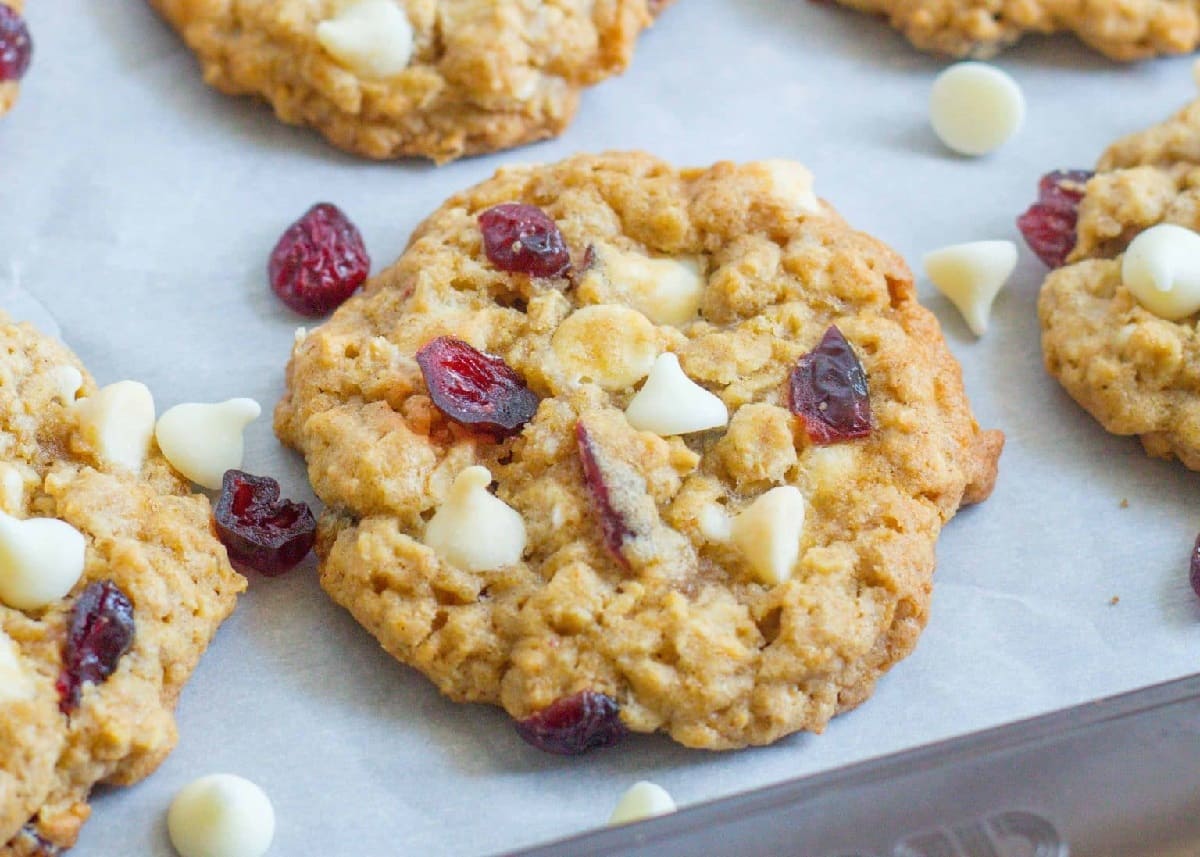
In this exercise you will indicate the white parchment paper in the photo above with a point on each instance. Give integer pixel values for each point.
(139, 207)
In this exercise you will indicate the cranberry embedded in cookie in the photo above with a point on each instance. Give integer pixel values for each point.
(1049, 224)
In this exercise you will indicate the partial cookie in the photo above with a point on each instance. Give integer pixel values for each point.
(16, 50)
(728, 574)
(88, 681)
(1136, 371)
(979, 29)
(391, 78)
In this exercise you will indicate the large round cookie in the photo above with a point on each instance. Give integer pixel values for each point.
(148, 535)
(1136, 373)
(482, 75)
(750, 272)
(1121, 29)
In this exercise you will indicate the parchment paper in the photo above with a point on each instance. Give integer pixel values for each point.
(139, 207)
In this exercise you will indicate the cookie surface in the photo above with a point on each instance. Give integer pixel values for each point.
(147, 534)
(464, 77)
(1123, 31)
(676, 627)
(1136, 373)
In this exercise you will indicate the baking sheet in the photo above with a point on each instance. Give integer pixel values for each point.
(139, 208)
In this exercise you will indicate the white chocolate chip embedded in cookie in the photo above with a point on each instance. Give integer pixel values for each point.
(1161, 268)
(372, 37)
(202, 441)
(612, 346)
(41, 560)
(118, 422)
(475, 530)
(671, 403)
(15, 682)
(666, 291)
(769, 533)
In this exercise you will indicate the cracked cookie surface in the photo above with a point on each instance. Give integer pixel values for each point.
(673, 624)
(1136, 373)
(483, 75)
(148, 534)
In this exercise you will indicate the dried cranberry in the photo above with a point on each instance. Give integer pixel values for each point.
(476, 389)
(16, 48)
(575, 724)
(522, 239)
(259, 530)
(101, 630)
(612, 524)
(1195, 569)
(319, 261)
(828, 391)
(1049, 224)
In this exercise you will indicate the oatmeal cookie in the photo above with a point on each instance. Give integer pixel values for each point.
(154, 576)
(714, 565)
(391, 78)
(1137, 373)
(16, 48)
(978, 29)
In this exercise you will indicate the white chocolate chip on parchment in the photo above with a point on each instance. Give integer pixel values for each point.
(642, 800)
(474, 529)
(769, 531)
(1162, 269)
(975, 107)
(373, 38)
(613, 346)
(118, 422)
(671, 403)
(221, 815)
(41, 560)
(202, 441)
(971, 275)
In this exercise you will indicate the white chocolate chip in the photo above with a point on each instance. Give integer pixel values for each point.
(666, 291)
(1162, 269)
(300, 335)
(671, 403)
(15, 683)
(769, 533)
(374, 38)
(613, 346)
(790, 182)
(971, 275)
(975, 107)
(67, 381)
(642, 800)
(714, 524)
(830, 466)
(203, 441)
(41, 560)
(221, 815)
(474, 529)
(118, 423)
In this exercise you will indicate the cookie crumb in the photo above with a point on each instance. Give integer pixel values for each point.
(1114, 601)
(1124, 502)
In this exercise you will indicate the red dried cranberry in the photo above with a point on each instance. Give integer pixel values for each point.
(1049, 224)
(259, 530)
(16, 48)
(101, 630)
(828, 391)
(319, 261)
(476, 389)
(1195, 569)
(612, 523)
(575, 724)
(522, 239)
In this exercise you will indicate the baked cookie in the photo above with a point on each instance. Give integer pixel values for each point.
(623, 358)
(16, 50)
(90, 670)
(1133, 364)
(980, 29)
(391, 78)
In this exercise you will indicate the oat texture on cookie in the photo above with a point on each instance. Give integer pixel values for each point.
(429, 78)
(89, 679)
(1123, 30)
(1116, 328)
(722, 575)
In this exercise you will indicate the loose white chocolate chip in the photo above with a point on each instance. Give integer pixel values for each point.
(15, 684)
(790, 182)
(118, 423)
(613, 346)
(474, 529)
(971, 275)
(67, 382)
(671, 403)
(769, 533)
(667, 291)
(41, 560)
(221, 815)
(203, 441)
(975, 107)
(374, 38)
(1162, 269)
(642, 800)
